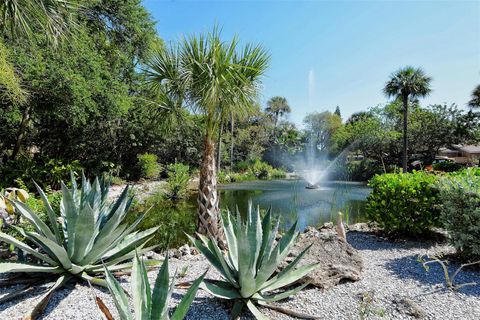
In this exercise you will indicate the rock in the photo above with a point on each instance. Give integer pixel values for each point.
(152, 255)
(338, 260)
(409, 307)
(359, 227)
(184, 250)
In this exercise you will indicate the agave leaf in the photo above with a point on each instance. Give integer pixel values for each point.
(70, 213)
(96, 281)
(119, 296)
(213, 247)
(231, 239)
(40, 307)
(37, 223)
(211, 257)
(294, 263)
(246, 273)
(161, 293)
(51, 214)
(22, 246)
(237, 309)
(266, 231)
(111, 262)
(102, 246)
(268, 268)
(288, 278)
(220, 289)
(254, 310)
(27, 267)
(129, 243)
(84, 229)
(187, 299)
(142, 297)
(57, 250)
(280, 296)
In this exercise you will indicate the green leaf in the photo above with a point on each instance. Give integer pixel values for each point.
(220, 289)
(254, 310)
(37, 223)
(51, 214)
(161, 293)
(119, 297)
(22, 246)
(58, 251)
(142, 297)
(184, 305)
(288, 278)
(27, 267)
(84, 229)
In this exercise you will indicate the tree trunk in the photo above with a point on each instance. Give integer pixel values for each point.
(208, 222)
(405, 133)
(232, 125)
(219, 147)
(21, 132)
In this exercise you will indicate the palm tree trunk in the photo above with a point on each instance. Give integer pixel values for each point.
(232, 125)
(405, 133)
(219, 147)
(208, 222)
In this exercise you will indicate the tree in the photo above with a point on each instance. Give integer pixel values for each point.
(337, 112)
(475, 101)
(217, 78)
(321, 127)
(277, 107)
(406, 83)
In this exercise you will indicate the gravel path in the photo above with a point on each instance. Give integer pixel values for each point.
(391, 274)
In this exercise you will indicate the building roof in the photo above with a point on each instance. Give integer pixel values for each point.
(467, 148)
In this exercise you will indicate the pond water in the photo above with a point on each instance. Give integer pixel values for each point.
(291, 200)
(288, 199)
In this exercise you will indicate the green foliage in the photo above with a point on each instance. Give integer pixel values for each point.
(460, 210)
(405, 203)
(249, 266)
(177, 181)
(447, 166)
(90, 235)
(150, 304)
(242, 166)
(148, 164)
(173, 219)
(264, 171)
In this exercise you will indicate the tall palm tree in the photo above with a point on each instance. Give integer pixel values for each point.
(407, 83)
(277, 107)
(217, 78)
(475, 102)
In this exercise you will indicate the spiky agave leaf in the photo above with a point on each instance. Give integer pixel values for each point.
(150, 305)
(249, 266)
(90, 234)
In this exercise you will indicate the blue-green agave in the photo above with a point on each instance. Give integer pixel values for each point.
(249, 267)
(90, 233)
(148, 304)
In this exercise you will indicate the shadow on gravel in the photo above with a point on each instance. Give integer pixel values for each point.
(369, 241)
(56, 299)
(205, 308)
(409, 268)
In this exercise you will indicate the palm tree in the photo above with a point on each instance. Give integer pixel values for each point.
(407, 83)
(277, 107)
(218, 79)
(475, 102)
(22, 17)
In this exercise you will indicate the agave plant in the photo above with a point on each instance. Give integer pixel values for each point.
(250, 264)
(89, 234)
(149, 304)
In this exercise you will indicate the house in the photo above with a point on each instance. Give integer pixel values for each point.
(461, 153)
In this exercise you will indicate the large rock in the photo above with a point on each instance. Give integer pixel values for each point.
(338, 260)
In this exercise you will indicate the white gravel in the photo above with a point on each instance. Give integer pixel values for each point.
(391, 272)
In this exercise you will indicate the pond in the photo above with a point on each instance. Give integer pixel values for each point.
(288, 199)
(291, 200)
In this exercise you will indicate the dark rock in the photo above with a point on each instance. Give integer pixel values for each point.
(338, 260)
(409, 307)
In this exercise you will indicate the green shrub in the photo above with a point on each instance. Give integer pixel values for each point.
(460, 210)
(149, 167)
(242, 166)
(405, 203)
(177, 181)
(261, 170)
(277, 173)
(447, 166)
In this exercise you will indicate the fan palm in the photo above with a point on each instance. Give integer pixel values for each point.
(216, 78)
(475, 102)
(407, 83)
(277, 107)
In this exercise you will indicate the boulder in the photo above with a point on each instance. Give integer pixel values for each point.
(339, 261)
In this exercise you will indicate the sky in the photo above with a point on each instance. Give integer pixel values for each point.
(340, 53)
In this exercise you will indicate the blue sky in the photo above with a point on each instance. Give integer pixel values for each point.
(329, 53)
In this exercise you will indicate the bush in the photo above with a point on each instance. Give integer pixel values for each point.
(447, 166)
(242, 166)
(177, 181)
(406, 203)
(460, 210)
(149, 167)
